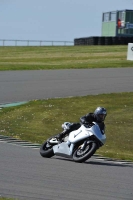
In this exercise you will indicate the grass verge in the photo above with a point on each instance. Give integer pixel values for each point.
(38, 120)
(63, 57)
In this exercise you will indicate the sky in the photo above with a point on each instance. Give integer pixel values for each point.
(55, 20)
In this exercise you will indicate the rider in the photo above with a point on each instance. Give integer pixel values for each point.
(98, 116)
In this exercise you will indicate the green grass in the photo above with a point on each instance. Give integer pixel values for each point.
(63, 57)
(38, 120)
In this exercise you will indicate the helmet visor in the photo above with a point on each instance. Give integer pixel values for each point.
(101, 117)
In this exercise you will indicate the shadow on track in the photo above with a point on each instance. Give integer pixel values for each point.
(107, 163)
(95, 162)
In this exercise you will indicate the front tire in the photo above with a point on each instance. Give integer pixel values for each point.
(46, 150)
(80, 155)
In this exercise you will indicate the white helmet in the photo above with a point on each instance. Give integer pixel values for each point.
(100, 114)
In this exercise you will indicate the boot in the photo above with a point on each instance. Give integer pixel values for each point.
(74, 126)
(61, 135)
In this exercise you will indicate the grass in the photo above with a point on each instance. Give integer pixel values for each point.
(63, 57)
(38, 120)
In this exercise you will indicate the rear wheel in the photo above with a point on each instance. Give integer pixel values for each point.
(81, 155)
(46, 150)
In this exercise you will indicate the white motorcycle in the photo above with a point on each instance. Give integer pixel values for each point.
(80, 145)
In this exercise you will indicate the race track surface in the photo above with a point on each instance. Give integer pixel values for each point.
(16, 86)
(24, 174)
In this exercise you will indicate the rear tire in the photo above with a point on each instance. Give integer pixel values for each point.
(80, 155)
(46, 150)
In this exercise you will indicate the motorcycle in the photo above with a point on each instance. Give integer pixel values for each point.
(80, 145)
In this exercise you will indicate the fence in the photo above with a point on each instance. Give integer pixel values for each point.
(4, 42)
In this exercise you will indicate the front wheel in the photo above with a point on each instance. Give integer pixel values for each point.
(46, 150)
(80, 155)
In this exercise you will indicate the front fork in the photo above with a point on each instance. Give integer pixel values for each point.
(82, 147)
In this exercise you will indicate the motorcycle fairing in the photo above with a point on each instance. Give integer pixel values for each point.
(95, 130)
(66, 148)
(79, 134)
(63, 149)
(83, 133)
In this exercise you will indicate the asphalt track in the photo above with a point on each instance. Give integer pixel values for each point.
(24, 174)
(16, 86)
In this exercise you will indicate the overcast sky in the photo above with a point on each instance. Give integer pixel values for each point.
(57, 20)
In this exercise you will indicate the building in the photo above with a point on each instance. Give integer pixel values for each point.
(117, 23)
(117, 29)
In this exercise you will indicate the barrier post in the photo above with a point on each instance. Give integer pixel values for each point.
(130, 51)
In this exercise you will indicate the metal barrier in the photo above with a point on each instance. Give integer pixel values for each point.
(100, 40)
(4, 42)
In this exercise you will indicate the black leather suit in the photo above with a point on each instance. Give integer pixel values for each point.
(89, 118)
